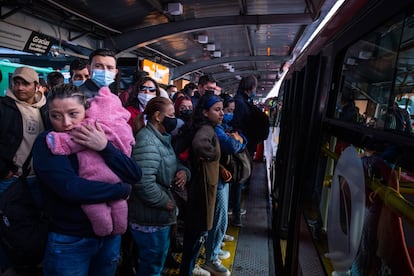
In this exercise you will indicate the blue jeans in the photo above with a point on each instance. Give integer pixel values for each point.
(152, 250)
(76, 256)
(216, 234)
(5, 183)
(193, 241)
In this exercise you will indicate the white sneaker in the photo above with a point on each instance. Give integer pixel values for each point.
(224, 254)
(198, 271)
(228, 238)
(216, 268)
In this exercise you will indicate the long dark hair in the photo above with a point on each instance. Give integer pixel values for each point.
(203, 104)
(133, 96)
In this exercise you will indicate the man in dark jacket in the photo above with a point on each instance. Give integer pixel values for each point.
(102, 70)
(22, 117)
(205, 83)
(242, 118)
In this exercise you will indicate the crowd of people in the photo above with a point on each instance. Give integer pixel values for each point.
(114, 166)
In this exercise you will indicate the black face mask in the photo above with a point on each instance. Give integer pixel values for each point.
(186, 114)
(169, 124)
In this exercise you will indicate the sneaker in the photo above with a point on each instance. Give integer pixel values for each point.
(242, 212)
(198, 271)
(223, 254)
(228, 238)
(216, 268)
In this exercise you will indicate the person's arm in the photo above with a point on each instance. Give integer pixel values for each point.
(61, 143)
(57, 172)
(228, 144)
(94, 138)
(148, 157)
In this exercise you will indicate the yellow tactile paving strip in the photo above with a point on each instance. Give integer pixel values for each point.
(230, 246)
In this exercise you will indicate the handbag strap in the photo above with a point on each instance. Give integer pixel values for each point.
(26, 165)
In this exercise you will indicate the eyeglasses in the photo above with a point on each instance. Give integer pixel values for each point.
(149, 88)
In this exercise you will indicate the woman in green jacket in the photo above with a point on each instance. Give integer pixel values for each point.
(152, 209)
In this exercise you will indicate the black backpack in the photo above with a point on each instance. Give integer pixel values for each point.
(23, 225)
(259, 123)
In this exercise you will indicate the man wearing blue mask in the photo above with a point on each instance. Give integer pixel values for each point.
(243, 117)
(79, 72)
(102, 69)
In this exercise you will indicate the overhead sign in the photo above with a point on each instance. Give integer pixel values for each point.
(158, 72)
(38, 43)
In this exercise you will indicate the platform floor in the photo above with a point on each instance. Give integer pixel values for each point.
(252, 249)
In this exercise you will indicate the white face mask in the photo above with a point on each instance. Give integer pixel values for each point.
(144, 98)
(103, 77)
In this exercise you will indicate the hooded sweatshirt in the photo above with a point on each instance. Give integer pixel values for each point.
(32, 126)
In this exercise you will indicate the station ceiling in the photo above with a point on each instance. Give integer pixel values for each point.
(226, 38)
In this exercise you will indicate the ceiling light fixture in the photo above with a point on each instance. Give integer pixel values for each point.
(211, 47)
(202, 39)
(217, 54)
(175, 8)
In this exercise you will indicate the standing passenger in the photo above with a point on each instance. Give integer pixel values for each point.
(202, 189)
(78, 72)
(108, 217)
(72, 247)
(228, 145)
(152, 209)
(242, 117)
(205, 83)
(102, 69)
(23, 116)
(145, 89)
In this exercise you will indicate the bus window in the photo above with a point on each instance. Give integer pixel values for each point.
(377, 78)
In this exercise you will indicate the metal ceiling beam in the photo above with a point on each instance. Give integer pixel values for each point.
(228, 75)
(181, 71)
(141, 37)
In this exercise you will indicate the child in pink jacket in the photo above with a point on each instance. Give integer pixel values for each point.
(106, 108)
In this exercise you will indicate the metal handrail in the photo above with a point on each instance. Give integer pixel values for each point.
(390, 197)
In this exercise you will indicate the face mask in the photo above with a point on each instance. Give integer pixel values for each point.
(169, 124)
(227, 117)
(77, 82)
(103, 77)
(186, 114)
(252, 95)
(144, 98)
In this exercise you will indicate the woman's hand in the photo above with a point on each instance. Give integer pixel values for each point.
(180, 179)
(92, 137)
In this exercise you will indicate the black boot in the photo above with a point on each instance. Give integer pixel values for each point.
(236, 220)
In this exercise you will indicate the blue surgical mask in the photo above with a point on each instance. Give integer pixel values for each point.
(227, 118)
(103, 77)
(77, 82)
(252, 95)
